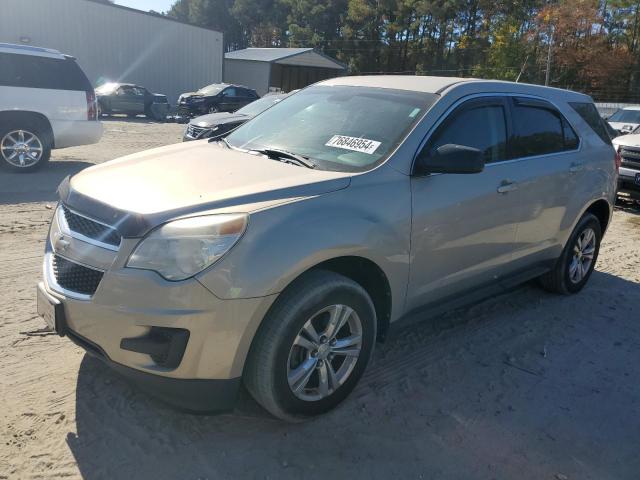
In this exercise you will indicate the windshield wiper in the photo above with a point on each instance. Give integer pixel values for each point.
(286, 157)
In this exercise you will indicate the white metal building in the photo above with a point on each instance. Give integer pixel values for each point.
(274, 69)
(119, 44)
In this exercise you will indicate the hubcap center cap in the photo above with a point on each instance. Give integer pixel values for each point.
(323, 351)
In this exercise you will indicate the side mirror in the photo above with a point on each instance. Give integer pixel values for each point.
(451, 158)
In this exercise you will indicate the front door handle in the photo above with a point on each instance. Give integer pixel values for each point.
(576, 167)
(507, 186)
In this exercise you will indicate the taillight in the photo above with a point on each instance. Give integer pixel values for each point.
(92, 113)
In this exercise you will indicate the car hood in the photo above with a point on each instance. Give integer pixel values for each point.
(623, 126)
(189, 94)
(145, 189)
(632, 140)
(219, 119)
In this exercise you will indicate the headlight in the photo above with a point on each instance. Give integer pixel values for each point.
(183, 248)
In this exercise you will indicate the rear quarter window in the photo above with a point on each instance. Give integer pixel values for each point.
(589, 114)
(32, 71)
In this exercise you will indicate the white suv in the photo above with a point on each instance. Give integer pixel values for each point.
(46, 101)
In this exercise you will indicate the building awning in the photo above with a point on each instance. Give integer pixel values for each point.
(301, 57)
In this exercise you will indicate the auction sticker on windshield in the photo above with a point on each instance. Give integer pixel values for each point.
(353, 143)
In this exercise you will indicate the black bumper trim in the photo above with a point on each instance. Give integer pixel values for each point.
(192, 395)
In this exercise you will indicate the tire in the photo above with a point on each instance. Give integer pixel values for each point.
(273, 360)
(132, 115)
(213, 109)
(564, 278)
(31, 138)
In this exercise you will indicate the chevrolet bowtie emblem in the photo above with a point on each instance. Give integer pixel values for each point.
(61, 243)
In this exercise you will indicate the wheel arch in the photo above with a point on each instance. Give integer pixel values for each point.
(8, 117)
(601, 209)
(366, 273)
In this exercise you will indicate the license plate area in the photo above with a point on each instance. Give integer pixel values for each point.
(51, 310)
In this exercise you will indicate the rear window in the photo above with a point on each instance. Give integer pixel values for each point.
(539, 129)
(590, 114)
(32, 71)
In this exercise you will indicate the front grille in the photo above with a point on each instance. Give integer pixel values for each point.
(197, 132)
(75, 277)
(631, 186)
(91, 229)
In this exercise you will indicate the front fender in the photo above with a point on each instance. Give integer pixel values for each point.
(370, 219)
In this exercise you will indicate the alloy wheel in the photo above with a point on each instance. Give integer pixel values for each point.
(21, 148)
(324, 353)
(583, 253)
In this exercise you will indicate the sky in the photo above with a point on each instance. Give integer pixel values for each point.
(146, 5)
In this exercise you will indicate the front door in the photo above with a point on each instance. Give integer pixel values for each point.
(229, 102)
(464, 225)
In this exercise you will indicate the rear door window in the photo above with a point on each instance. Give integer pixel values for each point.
(539, 129)
(477, 124)
(33, 71)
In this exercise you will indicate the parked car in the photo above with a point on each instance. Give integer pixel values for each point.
(132, 100)
(628, 147)
(46, 102)
(217, 125)
(626, 119)
(278, 256)
(218, 97)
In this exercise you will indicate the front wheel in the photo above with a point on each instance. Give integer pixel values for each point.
(213, 109)
(312, 347)
(578, 259)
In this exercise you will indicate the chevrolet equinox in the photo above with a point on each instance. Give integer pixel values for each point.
(278, 256)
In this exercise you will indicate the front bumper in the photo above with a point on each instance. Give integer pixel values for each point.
(129, 305)
(191, 109)
(628, 187)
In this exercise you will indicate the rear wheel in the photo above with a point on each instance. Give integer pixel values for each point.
(578, 259)
(214, 109)
(24, 148)
(312, 347)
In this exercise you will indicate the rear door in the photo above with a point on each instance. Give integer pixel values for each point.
(464, 226)
(138, 100)
(245, 97)
(545, 149)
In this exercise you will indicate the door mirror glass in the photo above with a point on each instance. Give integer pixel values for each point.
(451, 158)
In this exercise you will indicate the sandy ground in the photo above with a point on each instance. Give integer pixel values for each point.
(524, 386)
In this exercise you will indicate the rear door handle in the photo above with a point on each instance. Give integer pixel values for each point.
(576, 167)
(507, 186)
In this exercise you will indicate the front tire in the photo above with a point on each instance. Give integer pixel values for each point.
(312, 347)
(578, 259)
(24, 148)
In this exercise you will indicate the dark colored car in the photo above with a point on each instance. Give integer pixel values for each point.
(217, 125)
(218, 97)
(132, 100)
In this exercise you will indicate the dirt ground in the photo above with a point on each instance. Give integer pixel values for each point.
(527, 385)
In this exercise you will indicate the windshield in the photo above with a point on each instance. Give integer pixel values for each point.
(338, 127)
(260, 105)
(214, 89)
(106, 88)
(628, 116)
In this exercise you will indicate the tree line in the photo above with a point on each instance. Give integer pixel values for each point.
(590, 45)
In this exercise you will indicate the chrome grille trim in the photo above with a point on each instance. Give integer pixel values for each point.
(61, 216)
